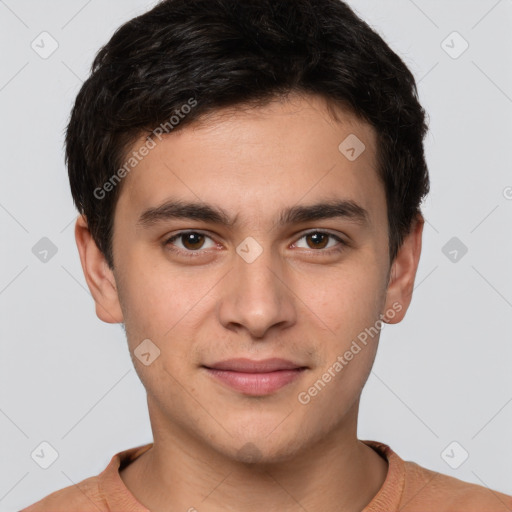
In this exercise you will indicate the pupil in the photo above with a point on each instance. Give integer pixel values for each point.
(316, 239)
(190, 239)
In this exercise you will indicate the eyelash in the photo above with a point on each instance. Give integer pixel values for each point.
(192, 254)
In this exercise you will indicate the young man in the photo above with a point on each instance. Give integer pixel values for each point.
(249, 175)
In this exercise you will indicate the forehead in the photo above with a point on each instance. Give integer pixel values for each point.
(252, 159)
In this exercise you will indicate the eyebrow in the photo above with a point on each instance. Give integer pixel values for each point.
(175, 209)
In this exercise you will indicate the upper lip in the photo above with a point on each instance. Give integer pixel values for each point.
(253, 366)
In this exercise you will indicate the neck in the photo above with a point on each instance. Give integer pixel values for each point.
(338, 472)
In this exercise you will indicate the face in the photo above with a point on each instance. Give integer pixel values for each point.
(284, 255)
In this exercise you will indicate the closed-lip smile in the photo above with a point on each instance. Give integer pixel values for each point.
(255, 377)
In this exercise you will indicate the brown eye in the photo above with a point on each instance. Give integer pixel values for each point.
(322, 242)
(192, 241)
(318, 240)
(189, 242)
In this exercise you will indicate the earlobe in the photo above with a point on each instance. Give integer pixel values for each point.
(99, 277)
(403, 274)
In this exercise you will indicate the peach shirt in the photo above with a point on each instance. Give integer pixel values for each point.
(408, 488)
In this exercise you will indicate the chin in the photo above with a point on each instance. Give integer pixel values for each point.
(263, 451)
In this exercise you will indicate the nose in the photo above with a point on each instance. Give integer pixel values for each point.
(257, 297)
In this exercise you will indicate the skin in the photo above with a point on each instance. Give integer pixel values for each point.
(216, 448)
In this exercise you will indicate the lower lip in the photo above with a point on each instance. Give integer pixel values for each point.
(256, 384)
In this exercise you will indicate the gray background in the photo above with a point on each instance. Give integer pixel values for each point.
(442, 375)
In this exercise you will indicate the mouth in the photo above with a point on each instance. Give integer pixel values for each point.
(255, 378)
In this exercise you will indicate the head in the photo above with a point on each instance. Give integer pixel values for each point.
(249, 175)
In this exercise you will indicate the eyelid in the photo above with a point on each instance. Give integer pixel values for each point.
(171, 238)
(341, 241)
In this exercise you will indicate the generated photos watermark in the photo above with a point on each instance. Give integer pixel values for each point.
(143, 151)
(304, 397)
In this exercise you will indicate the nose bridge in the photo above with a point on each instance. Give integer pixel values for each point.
(259, 275)
(256, 298)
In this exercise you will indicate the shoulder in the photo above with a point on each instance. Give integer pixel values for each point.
(410, 487)
(84, 496)
(448, 494)
(102, 493)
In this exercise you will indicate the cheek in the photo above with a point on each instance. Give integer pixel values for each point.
(167, 306)
(152, 294)
(344, 301)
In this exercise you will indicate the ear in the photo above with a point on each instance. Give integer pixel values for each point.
(403, 273)
(100, 278)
